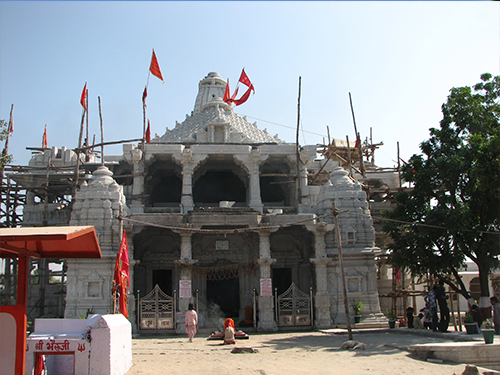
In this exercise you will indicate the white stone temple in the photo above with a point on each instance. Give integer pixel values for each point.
(218, 213)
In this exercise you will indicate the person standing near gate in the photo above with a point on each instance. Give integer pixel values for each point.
(441, 298)
(191, 322)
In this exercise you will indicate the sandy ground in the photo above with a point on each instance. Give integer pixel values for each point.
(285, 354)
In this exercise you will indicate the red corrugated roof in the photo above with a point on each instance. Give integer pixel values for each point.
(50, 242)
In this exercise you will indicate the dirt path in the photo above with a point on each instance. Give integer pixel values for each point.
(312, 353)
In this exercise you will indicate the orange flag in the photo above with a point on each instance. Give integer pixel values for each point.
(121, 276)
(44, 139)
(154, 68)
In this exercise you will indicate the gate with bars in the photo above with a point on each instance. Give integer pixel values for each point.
(294, 307)
(157, 310)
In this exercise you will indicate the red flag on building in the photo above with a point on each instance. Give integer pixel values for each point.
(245, 80)
(154, 68)
(244, 98)
(234, 94)
(148, 134)
(44, 139)
(83, 97)
(121, 276)
(227, 93)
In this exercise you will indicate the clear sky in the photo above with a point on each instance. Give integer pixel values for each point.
(397, 59)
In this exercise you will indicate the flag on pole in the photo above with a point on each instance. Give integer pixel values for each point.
(148, 134)
(245, 80)
(44, 139)
(358, 142)
(227, 93)
(83, 97)
(121, 276)
(154, 68)
(244, 98)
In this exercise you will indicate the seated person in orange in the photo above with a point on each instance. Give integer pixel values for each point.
(229, 331)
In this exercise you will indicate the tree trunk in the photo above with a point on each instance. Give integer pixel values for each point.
(484, 283)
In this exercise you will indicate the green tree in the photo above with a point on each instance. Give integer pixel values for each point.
(452, 210)
(5, 158)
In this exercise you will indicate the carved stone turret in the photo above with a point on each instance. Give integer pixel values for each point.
(98, 202)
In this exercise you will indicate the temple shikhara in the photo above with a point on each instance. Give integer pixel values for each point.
(218, 213)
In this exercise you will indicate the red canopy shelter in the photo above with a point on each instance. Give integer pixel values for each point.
(38, 242)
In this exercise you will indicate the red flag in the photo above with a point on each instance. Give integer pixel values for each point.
(397, 275)
(244, 98)
(358, 142)
(226, 93)
(144, 95)
(154, 68)
(245, 80)
(44, 139)
(234, 94)
(148, 134)
(121, 275)
(84, 96)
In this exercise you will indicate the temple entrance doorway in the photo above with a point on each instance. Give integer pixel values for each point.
(163, 278)
(224, 295)
(282, 279)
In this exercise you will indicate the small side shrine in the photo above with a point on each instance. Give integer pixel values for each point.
(100, 344)
(22, 244)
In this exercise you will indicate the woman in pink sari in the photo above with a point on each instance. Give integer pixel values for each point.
(191, 322)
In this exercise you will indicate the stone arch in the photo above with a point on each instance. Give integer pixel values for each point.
(276, 183)
(219, 180)
(163, 184)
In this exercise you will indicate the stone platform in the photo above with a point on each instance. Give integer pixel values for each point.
(477, 353)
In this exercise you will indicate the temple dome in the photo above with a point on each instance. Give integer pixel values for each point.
(214, 121)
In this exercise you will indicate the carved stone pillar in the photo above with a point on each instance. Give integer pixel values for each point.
(266, 309)
(137, 204)
(251, 163)
(189, 163)
(186, 260)
(322, 315)
(266, 305)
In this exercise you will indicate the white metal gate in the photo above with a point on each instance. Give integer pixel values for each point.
(157, 310)
(294, 307)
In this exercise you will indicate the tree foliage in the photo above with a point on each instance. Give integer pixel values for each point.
(5, 158)
(452, 211)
